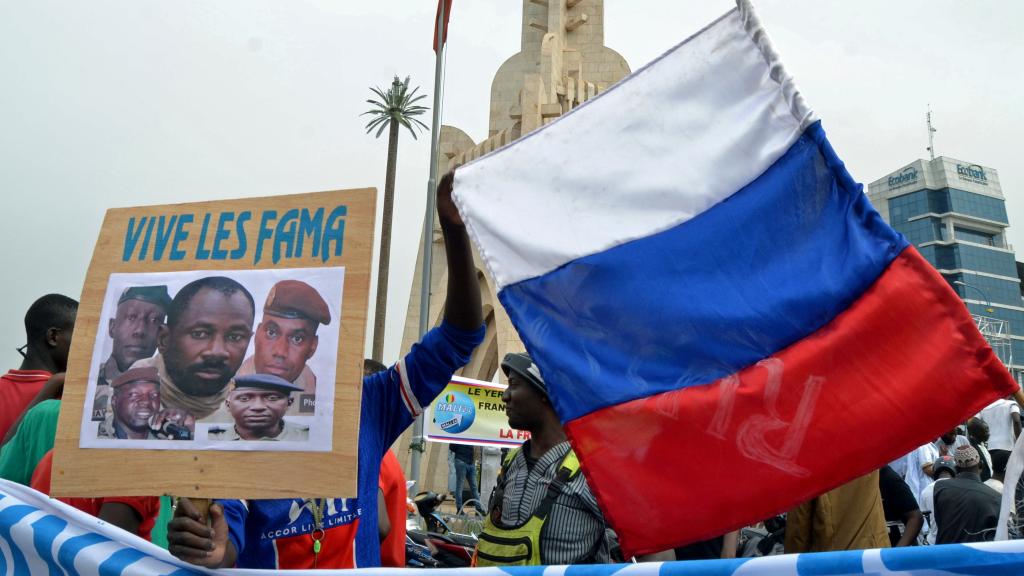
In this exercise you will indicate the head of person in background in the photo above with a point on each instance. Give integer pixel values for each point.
(527, 405)
(133, 329)
(49, 325)
(286, 336)
(371, 367)
(257, 404)
(944, 467)
(967, 460)
(134, 402)
(209, 326)
(950, 437)
(977, 430)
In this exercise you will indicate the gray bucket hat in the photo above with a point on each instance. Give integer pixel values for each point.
(524, 366)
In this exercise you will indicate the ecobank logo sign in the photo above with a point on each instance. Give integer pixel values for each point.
(972, 173)
(907, 176)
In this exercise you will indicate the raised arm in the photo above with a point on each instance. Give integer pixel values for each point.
(462, 307)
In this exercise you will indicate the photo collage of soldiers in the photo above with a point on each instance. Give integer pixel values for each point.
(218, 359)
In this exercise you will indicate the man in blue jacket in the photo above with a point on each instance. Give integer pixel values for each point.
(342, 532)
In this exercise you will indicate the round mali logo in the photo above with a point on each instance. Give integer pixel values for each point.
(454, 412)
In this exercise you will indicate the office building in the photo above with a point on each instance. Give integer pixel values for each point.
(954, 212)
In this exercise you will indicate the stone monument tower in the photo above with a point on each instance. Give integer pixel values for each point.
(562, 63)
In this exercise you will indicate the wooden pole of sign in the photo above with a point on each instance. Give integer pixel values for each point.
(203, 507)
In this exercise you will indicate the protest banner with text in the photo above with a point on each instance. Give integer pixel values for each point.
(218, 350)
(471, 412)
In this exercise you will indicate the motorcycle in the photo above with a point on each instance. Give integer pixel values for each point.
(426, 505)
(448, 548)
(418, 555)
(763, 541)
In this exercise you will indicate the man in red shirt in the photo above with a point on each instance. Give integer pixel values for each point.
(135, 514)
(392, 492)
(49, 324)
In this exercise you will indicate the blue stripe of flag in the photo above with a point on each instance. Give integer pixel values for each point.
(761, 270)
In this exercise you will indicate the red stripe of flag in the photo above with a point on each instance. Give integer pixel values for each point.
(904, 356)
(437, 16)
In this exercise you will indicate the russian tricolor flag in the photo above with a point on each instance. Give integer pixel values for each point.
(727, 326)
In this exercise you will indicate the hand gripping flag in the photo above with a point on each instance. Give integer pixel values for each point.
(726, 325)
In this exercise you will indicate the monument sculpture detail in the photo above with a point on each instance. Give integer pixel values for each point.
(561, 64)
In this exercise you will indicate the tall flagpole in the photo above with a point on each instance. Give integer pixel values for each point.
(428, 223)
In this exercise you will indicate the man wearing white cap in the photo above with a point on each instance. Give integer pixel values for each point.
(965, 509)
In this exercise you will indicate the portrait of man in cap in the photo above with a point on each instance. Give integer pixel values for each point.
(134, 401)
(133, 330)
(257, 403)
(135, 410)
(286, 338)
(202, 345)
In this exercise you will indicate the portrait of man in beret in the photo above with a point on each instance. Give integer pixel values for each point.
(286, 338)
(141, 311)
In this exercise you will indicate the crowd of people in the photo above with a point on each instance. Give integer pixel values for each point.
(908, 502)
(542, 510)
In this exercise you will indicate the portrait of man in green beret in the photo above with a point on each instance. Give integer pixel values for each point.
(141, 310)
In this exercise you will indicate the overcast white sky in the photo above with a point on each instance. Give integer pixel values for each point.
(113, 103)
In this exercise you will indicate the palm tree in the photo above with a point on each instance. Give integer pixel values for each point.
(395, 108)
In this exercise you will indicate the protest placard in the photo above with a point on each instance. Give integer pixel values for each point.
(218, 350)
(471, 412)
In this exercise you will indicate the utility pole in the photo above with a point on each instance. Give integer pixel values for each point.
(428, 224)
(931, 132)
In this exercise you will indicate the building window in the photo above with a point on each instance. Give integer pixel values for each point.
(985, 260)
(942, 201)
(986, 289)
(976, 205)
(975, 236)
(903, 208)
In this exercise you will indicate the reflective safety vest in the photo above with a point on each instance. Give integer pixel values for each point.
(520, 545)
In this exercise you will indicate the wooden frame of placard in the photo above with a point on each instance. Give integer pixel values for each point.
(219, 473)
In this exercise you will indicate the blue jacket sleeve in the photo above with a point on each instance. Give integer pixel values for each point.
(235, 513)
(393, 398)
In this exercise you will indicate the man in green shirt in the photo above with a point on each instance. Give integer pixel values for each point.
(33, 439)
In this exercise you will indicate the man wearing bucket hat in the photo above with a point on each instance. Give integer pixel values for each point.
(542, 502)
(943, 468)
(966, 510)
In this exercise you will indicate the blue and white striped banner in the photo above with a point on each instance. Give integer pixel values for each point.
(43, 536)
